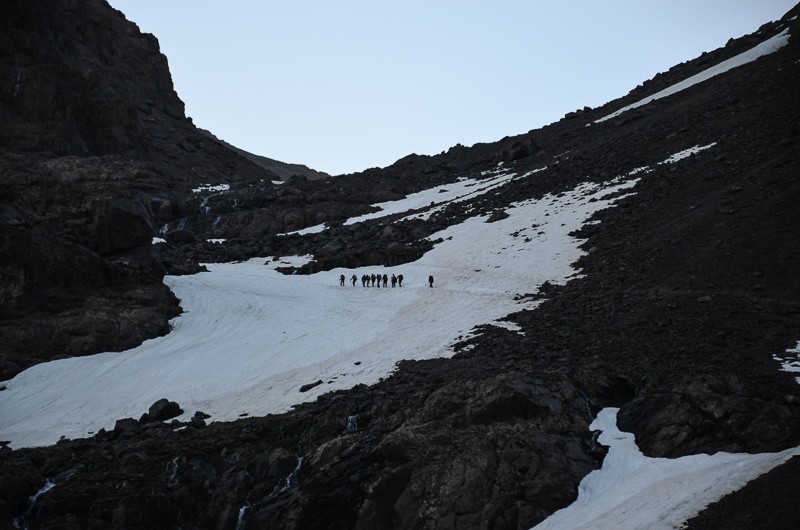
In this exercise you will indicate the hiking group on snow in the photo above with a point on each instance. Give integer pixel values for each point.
(373, 280)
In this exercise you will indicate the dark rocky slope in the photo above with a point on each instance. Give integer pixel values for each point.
(690, 288)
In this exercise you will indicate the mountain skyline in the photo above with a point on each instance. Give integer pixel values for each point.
(348, 86)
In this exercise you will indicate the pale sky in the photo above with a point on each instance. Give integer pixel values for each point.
(341, 86)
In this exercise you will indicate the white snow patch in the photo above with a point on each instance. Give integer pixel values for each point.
(212, 187)
(440, 207)
(159, 240)
(285, 261)
(428, 201)
(672, 158)
(510, 326)
(216, 240)
(308, 230)
(633, 492)
(791, 361)
(460, 190)
(687, 153)
(643, 169)
(765, 48)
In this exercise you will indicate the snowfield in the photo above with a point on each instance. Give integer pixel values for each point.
(250, 337)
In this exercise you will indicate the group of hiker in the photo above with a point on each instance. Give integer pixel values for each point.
(375, 280)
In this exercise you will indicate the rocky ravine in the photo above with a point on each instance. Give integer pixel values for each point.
(690, 288)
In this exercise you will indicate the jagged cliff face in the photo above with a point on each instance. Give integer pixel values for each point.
(689, 288)
(79, 79)
(95, 153)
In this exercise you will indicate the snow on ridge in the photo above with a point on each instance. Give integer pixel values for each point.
(249, 336)
(212, 187)
(316, 229)
(447, 193)
(671, 159)
(430, 200)
(632, 491)
(765, 48)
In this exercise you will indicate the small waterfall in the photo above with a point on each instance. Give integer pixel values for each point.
(215, 224)
(172, 472)
(352, 423)
(23, 522)
(291, 480)
(288, 482)
(204, 207)
(242, 511)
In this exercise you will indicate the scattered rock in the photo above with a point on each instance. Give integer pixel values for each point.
(126, 425)
(163, 410)
(309, 386)
(497, 215)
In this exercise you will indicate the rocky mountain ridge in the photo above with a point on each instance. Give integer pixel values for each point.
(283, 170)
(688, 291)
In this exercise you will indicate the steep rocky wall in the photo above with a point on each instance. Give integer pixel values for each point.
(51, 52)
(95, 155)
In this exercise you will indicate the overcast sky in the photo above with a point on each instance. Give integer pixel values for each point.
(345, 85)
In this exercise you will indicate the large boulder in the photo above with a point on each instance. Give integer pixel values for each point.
(162, 410)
